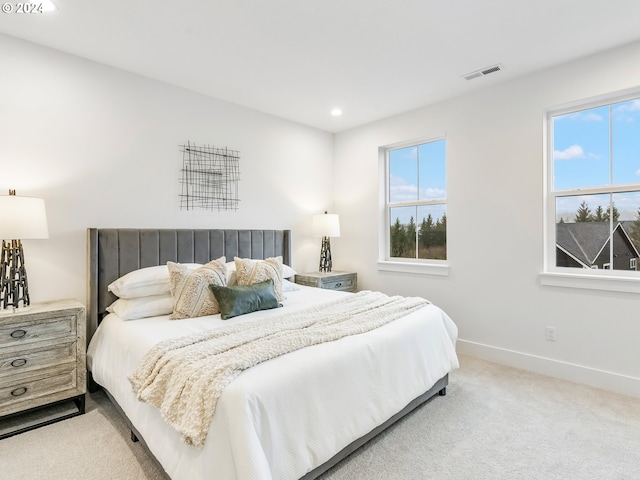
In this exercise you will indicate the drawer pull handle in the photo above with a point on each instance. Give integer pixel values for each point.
(19, 362)
(19, 391)
(18, 333)
(338, 285)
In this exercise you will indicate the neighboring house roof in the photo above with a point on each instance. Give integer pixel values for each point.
(627, 226)
(585, 240)
(582, 240)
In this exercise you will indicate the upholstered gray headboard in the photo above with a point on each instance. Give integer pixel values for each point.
(113, 252)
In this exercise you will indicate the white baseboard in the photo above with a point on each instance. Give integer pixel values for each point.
(554, 368)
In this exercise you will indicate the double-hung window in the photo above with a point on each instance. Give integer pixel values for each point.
(415, 203)
(592, 213)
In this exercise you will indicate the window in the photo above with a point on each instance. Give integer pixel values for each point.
(415, 202)
(593, 187)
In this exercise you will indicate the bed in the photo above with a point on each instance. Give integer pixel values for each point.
(294, 416)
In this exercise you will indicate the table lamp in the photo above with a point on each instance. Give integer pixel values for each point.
(20, 218)
(326, 226)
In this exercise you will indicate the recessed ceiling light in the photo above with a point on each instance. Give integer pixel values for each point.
(336, 112)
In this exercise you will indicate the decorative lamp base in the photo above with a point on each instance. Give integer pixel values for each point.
(325, 255)
(13, 278)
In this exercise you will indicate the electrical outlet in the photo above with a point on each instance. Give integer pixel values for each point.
(550, 334)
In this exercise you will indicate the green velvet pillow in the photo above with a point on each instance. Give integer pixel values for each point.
(241, 299)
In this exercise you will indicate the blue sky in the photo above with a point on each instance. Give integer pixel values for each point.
(418, 173)
(598, 147)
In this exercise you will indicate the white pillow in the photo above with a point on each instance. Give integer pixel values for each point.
(145, 282)
(287, 271)
(135, 308)
(288, 286)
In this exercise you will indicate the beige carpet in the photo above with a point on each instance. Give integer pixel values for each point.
(495, 423)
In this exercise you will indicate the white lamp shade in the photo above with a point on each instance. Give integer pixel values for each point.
(326, 225)
(22, 218)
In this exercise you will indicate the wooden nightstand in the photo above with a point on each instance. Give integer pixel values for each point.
(343, 281)
(42, 363)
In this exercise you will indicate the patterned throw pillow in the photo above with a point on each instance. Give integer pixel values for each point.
(190, 288)
(249, 272)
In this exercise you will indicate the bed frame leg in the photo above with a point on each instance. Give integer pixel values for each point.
(443, 392)
(134, 439)
(92, 386)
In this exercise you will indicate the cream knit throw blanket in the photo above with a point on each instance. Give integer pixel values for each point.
(184, 377)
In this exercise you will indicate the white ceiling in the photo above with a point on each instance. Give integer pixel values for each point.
(298, 59)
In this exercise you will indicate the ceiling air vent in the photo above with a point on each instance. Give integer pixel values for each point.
(483, 72)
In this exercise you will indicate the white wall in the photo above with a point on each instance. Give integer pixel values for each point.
(101, 146)
(494, 216)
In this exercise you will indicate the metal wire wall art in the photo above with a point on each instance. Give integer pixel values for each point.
(209, 177)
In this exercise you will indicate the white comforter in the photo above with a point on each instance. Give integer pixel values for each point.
(284, 417)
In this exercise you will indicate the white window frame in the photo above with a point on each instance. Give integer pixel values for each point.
(633, 264)
(596, 279)
(405, 265)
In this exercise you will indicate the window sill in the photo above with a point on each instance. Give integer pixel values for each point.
(441, 270)
(590, 282)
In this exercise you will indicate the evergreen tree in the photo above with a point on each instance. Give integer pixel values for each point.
(426, 231)
(584, 213)
(411, 239)
(398, 239)
(440, 231)
(599, 216)
(616, 214)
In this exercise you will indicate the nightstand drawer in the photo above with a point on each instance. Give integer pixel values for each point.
(26, 332)
(341, 281)
(36, 384)
(307, 281)
(342, 284)
(18, 360)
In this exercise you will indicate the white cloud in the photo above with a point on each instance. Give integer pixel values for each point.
(433, 193)
(590, 117)
(628, 111)
(584, 116)
(633, 106)
(638, 172)
(409, 153)
(401, 191)
(574, 151)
